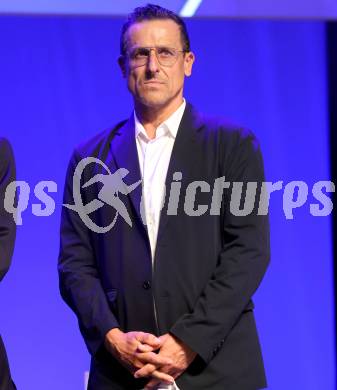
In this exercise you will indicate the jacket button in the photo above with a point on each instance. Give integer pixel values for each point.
(147, 285)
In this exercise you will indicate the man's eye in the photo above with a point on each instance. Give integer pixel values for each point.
(140, 53)
(165, 52)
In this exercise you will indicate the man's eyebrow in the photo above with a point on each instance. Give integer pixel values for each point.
(159, 45)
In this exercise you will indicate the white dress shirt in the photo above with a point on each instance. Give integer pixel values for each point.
(154, 157)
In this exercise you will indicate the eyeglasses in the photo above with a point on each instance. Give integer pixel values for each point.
(166, 56)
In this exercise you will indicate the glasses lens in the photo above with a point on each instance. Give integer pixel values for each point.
(139, 56)
(166, 56)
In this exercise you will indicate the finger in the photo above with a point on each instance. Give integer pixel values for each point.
(146, 370)
(159, 377)
(152, 385)
(148, 338)
(154, 358)
(154, 382)
(163, 338)
(151, 370)
(145, 348)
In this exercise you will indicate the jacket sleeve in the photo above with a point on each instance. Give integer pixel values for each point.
(7, 224)
(242, 261)
(79, 281)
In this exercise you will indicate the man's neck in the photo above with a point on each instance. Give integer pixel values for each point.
(152, 117)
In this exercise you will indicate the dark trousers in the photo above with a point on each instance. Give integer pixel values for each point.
(6, 382)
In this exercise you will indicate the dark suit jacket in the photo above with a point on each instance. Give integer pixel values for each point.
(7, 238)
(206, 268)
(7, 224)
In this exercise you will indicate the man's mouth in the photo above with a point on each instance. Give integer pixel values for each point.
(153, 82)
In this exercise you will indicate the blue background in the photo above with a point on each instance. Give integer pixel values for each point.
(60, 84)
(232, 8)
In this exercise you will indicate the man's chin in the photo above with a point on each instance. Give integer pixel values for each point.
(153, 101)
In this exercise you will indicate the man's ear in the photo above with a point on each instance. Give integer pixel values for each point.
(188, 63)
(122, 65)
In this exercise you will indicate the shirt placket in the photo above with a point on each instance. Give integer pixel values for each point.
(147, 176)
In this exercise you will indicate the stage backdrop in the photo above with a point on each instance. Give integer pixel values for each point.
(233, 8)
(60, 84)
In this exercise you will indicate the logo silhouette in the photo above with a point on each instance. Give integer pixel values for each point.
(113, 185)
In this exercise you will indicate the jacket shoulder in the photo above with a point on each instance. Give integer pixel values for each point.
(5, 147)
(226, 127)
(96, 144)
(228, 133)
(6, 154)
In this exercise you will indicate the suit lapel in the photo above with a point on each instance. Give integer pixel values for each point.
(125, 154)
(182, 158)
(184, 151)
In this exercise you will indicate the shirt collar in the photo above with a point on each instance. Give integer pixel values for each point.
(170, 125)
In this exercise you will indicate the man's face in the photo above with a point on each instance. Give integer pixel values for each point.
(154, 84)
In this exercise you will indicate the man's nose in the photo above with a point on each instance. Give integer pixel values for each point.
(152, 63)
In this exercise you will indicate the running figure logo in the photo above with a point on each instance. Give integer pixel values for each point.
(113, 185)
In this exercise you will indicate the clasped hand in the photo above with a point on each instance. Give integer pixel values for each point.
(137, 352)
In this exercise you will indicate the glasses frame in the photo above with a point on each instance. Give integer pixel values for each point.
(155, 48)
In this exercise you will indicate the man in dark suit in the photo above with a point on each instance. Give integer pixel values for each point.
(164, 302)
(7, 238)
